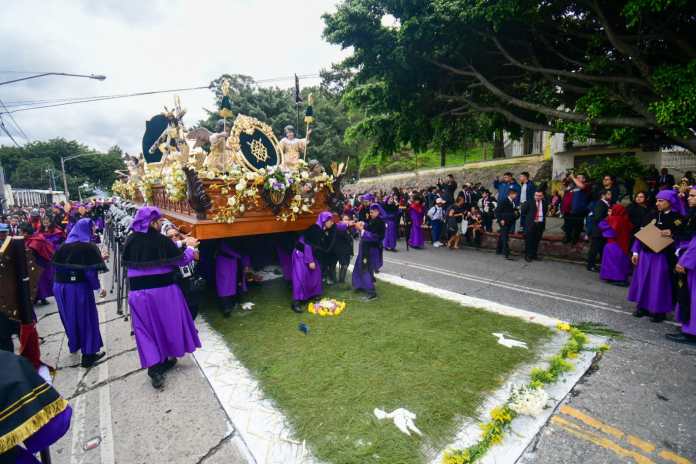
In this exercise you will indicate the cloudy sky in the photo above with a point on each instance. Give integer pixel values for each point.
(143, 45)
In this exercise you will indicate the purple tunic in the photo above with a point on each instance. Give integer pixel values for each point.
(391, 234)
(364, 275)
(416, 239)
(44, 437)
(688, 261)
(616, 265)
(229, 275)
(78, 312)
(45, 285)
(285, 261)
(161, 319)
(306, 283)
(651, 288)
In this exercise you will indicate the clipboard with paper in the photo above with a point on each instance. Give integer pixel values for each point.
(652, 237)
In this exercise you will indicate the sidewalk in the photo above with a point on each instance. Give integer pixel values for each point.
(119, 418)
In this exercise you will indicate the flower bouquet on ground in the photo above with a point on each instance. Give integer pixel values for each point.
(327, 307)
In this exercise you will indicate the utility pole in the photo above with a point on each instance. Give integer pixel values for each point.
(65, 179)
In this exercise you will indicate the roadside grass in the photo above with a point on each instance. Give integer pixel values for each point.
(405, 349)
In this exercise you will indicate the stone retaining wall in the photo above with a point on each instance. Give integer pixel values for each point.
(483, 172)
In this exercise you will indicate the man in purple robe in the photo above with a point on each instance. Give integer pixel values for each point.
(652, 287)
(686, 281)
(306, 269)
(76, 264)
(391, 220)
(416, 214)
(229, 275)
(369, 259)
(164, 329)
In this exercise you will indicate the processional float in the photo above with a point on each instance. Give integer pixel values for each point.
(234, 181)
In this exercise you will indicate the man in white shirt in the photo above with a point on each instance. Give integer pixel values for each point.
(437, 220)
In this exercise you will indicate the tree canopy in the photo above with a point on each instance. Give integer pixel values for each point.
(276, 107)
(26, 166)
(620, 71)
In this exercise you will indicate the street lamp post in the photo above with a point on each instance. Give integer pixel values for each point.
(98, 77)
(62, 168)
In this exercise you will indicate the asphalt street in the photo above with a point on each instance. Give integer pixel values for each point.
(638, 403)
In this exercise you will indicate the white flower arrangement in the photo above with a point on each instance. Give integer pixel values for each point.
(528, 401)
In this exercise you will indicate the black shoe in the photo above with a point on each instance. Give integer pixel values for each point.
(682, 338)
(592, 268)
(89, 360)
(43, 302)
(657, 318)
(528, 259)
(640, 313)
(295, 306)
(510, 258)
(157, 380)
(618, 283)
(371, 296)
(168, 364)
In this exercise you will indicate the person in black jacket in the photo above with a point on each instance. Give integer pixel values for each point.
(597, 241)
(506, 213)
(534, 213)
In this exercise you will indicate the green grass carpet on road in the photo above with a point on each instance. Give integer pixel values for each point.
(405, 349)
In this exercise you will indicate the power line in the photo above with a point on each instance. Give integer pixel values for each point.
(4, 129)
(16, 124)
(71, 100)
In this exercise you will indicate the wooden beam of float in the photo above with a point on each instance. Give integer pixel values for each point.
(255, 221)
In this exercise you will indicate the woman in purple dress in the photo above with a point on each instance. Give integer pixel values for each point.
(391, 220)
(306, 269)
(162, 322)
(616, 264)
(369, 259)
(652, 285)
(416, 212)
(77, 263)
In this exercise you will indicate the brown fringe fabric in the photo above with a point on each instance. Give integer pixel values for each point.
(32, 425)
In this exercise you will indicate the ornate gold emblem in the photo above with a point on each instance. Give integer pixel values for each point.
(258, 149)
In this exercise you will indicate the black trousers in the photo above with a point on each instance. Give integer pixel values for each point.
(573, 226)
(596, 248)
(8, 327)
(532, 236)
(504, 238)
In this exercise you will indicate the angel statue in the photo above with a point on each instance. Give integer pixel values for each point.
(215, 160)
(293, 148)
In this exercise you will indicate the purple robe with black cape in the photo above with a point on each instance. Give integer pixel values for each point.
(76, 264)
(33, 413)
(229, 270)
(391, 220)
(369, 258)
(652, 287)
(416, 239)
(162, 322)
(686, 300)
(306, 282)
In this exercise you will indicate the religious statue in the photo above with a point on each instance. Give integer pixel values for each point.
(293, 148)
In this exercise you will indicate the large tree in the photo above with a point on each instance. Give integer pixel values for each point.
(620, 71)
(27, 166)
